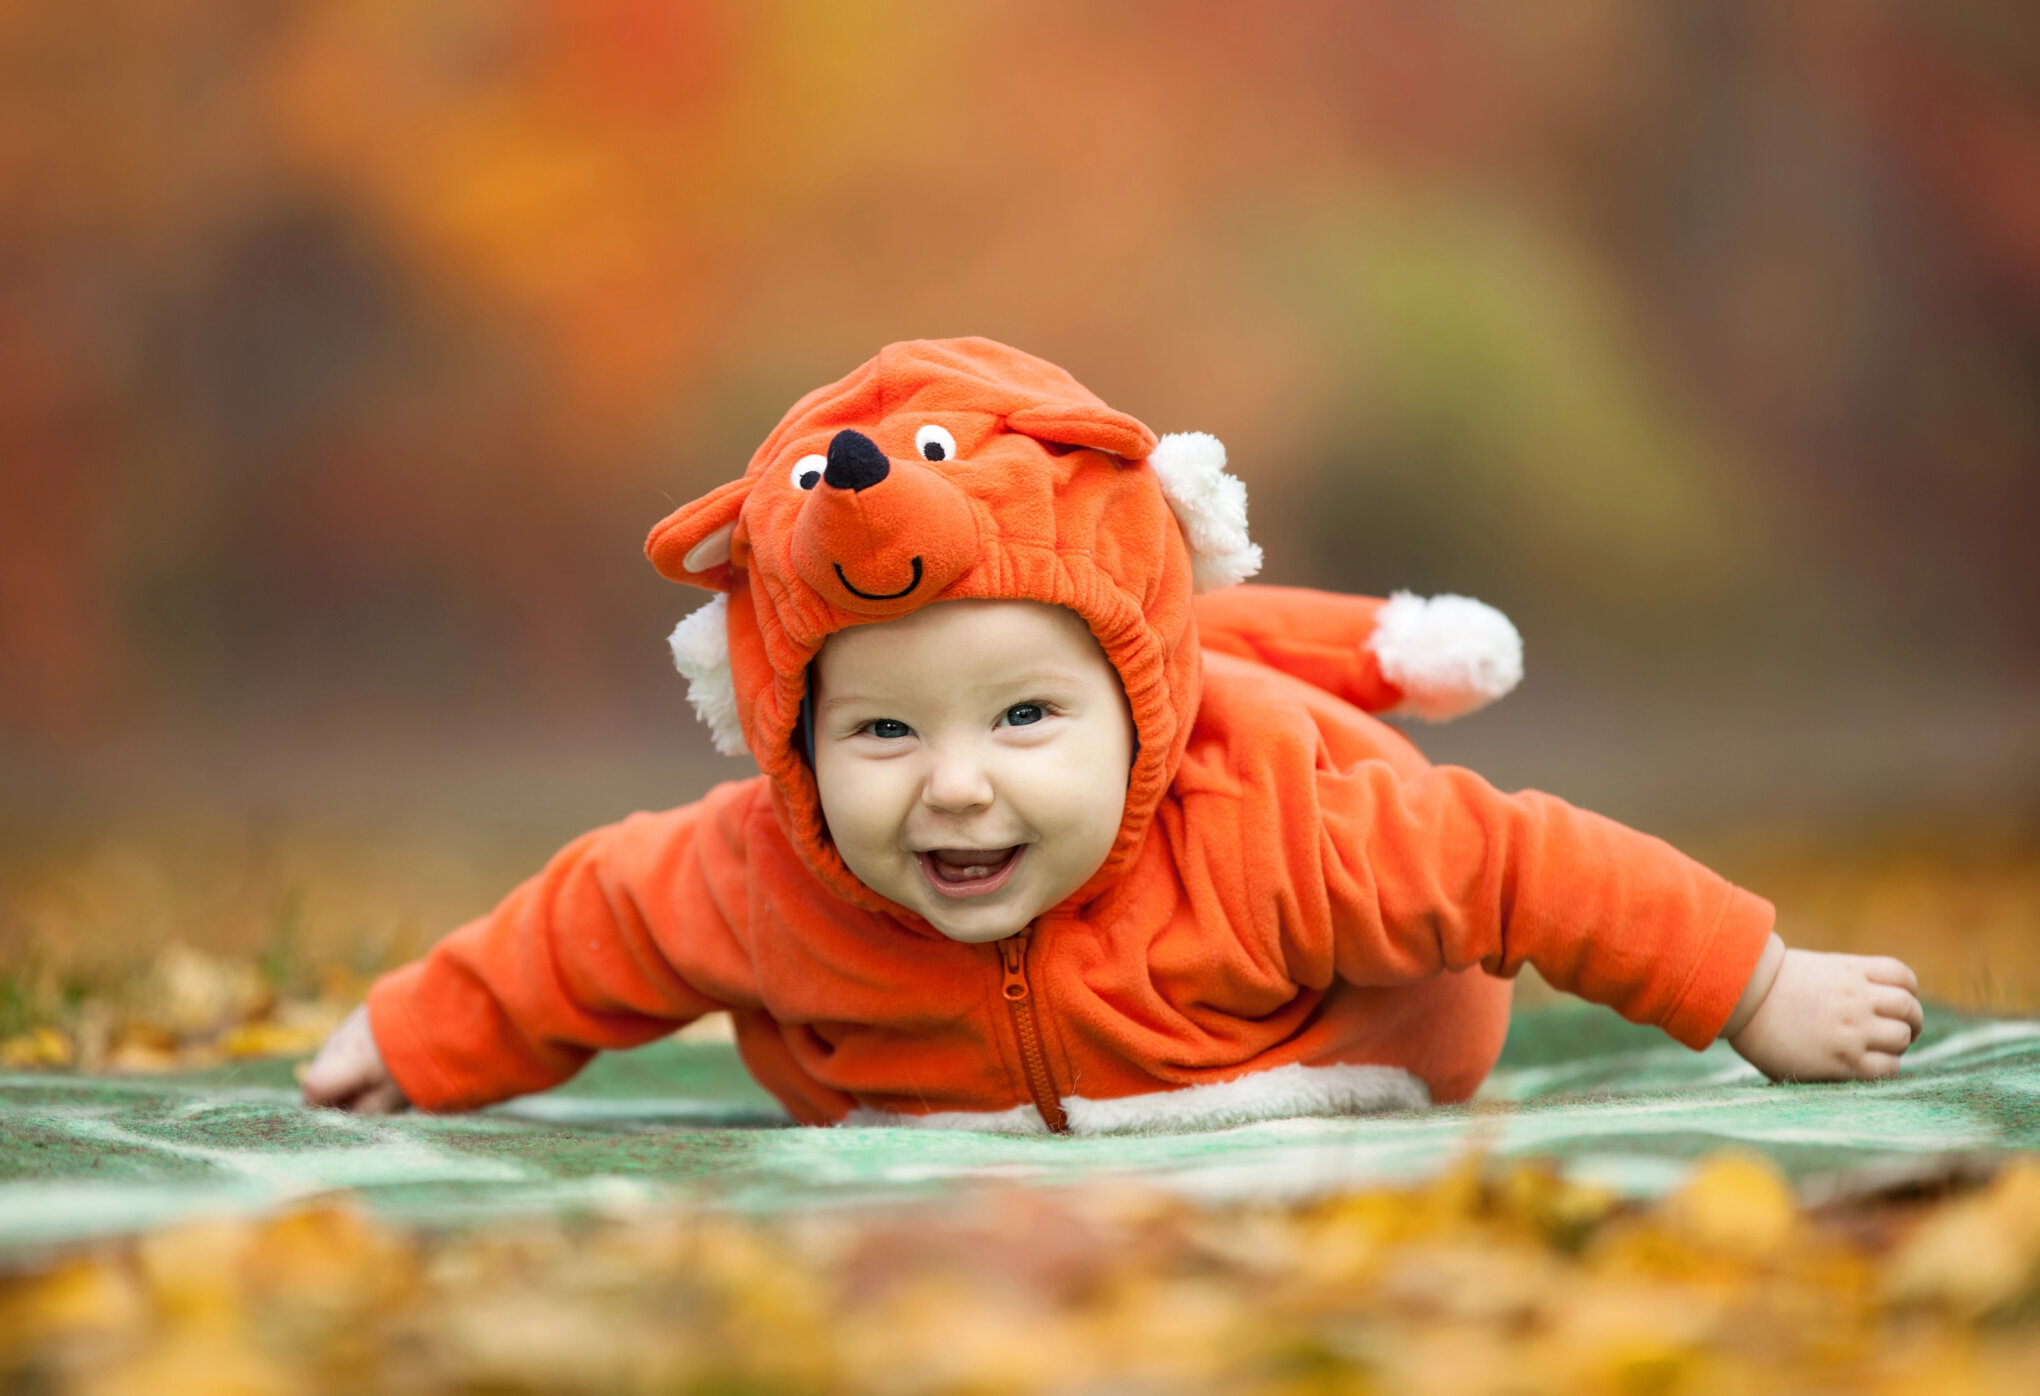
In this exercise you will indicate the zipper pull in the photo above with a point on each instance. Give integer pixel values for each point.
(1013, 952)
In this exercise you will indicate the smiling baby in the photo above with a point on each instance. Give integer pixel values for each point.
(1059, 827)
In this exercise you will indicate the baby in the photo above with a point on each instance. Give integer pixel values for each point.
(1045, 840)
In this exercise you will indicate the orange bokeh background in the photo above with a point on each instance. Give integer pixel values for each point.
(347, 352)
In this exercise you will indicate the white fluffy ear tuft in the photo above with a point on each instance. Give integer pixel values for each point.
(701, 652)
(1450, 655)
(1211, 507)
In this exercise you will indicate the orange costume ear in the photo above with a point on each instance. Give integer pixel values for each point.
(1085, 424)
(692, 544)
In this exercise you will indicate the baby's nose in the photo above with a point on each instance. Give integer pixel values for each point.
(957, 781)
(855, 462)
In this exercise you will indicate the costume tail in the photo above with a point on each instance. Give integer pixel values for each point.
(1436, 659)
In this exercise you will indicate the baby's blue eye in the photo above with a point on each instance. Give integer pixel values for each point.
(1021, 714)
(889, 728)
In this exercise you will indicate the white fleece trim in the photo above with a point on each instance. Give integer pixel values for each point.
(1021, 1119)
(1450, 655)
(1279, 1093)
(701, 652)
(1210, 506)
(1283, 1092)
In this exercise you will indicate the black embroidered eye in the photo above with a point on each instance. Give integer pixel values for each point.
(807, 471)
(934, 443)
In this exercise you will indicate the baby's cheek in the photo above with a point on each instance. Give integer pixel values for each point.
(1093, 825)
(854, 805)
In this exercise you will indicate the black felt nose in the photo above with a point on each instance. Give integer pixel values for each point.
(855, 462)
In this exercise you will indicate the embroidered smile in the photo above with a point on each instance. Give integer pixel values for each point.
(969, 872)
(879, 595)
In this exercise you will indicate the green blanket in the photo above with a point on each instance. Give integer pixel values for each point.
(1614, 1104)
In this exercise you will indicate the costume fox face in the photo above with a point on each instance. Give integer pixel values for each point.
(948, 470)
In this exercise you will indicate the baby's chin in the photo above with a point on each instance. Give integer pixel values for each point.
(979, 935)
(983, 922)
(980, 923)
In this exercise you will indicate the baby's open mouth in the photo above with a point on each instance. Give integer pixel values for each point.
(969, 872)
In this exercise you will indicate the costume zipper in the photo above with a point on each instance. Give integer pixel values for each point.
(1013, 952)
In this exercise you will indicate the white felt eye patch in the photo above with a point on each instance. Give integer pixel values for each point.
(934, 443)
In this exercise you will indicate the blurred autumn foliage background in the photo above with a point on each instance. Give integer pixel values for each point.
(348, 351)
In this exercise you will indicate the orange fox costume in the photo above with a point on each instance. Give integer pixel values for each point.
(1299, 915)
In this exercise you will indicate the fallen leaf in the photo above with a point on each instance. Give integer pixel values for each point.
(269, 1039)
(1735, 1204)
(81, 1294)
(38, 1047)
(1978, 1254)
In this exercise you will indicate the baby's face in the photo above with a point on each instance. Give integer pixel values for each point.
(972, 758)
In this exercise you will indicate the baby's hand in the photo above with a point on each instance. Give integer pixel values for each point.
(349, 1072)
(1832, 1018)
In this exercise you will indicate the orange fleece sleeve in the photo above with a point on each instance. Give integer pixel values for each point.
(1319, 637)
(1438, 871)
(586, 956)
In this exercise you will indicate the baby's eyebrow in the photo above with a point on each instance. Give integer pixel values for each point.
(1021, 683)
(854, 700)
(1043, 678)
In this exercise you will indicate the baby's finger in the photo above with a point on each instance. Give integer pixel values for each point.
(338, 1057)
(1896, 1003)
(1880, 1066)
(1882, 969)
(382, 1099)
(328, 1081)
(345, 1063)
(1888, 1035)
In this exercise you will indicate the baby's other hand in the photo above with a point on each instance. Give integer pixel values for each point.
(349, 1072)
(1833, 1018)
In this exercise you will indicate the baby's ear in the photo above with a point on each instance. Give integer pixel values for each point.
(1085, 424)
(692, 544)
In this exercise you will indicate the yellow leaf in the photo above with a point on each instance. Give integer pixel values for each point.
(196, 1362)
(85, 1294)
(330, 1256)
(1977, 1254)
(1735, 1204)
(1536, 1195)
(194, 1269)
(270, 1039)
(139, 1057)
(42, 1046)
